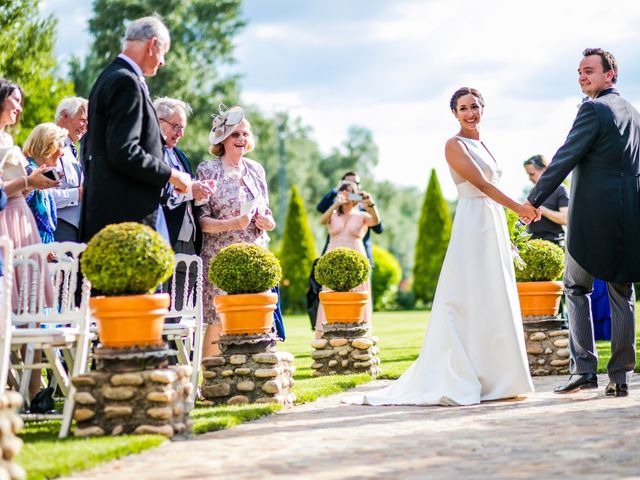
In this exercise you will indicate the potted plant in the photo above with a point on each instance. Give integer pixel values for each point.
(125, 263)
(538, 288)
(341, 270)
(247, 273)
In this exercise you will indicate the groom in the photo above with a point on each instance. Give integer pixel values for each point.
(603, 150)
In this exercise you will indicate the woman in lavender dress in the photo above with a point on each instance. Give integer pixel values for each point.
(238, 181)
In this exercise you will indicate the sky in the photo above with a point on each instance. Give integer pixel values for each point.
(392, 65)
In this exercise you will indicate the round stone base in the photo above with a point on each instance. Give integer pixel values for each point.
(547, 346)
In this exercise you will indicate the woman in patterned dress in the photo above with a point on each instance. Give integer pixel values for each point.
(238, 181)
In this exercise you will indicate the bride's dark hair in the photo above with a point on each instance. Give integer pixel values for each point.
(461, 92)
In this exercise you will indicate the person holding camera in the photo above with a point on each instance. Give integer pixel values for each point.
(347, 226)
(329, 198)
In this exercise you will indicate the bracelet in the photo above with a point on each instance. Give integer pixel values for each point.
(26, 182)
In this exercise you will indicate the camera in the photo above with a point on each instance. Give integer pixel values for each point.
(52, 174)
(354, 197)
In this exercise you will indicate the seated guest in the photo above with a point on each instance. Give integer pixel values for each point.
(71, 115)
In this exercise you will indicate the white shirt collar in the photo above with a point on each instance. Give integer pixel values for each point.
(133, 64)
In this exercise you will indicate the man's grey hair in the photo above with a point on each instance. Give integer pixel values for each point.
(146, 28)
(70, 105)
(165, 107)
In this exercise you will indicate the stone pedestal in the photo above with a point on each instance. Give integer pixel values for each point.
(250, 370)
(10, 444)
(345, 349)
(547, 346)
(133, 392)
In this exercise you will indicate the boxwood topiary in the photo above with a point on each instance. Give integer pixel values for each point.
(342, 269)
(244, 268)
(127, 259)
(544, 261)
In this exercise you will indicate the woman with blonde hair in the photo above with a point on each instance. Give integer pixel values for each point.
(43, 148)
(240, 184)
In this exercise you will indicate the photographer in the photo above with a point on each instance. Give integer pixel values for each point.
(329, 198)
(347, 226)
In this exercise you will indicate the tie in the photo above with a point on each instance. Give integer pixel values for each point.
(74, 150)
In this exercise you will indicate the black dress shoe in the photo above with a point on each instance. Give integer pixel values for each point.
(616, 390)
(584, 381)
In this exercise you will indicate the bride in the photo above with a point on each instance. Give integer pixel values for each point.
(474, 346)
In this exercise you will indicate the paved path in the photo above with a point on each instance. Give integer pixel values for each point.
(584, 435)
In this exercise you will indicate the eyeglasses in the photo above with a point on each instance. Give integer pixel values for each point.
(176, 126)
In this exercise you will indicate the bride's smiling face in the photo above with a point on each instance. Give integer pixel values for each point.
(468, 111)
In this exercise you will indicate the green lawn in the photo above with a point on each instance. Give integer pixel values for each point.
(401, 335)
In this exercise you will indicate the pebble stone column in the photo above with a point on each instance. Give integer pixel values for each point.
(10, 443)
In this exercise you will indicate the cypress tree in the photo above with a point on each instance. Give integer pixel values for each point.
(297, 253)
(434, 231)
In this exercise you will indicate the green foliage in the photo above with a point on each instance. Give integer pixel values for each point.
(245, 268)
(544, 261)
(127, 258)
(434, 231)
(202, 37)
(342, 269)
(297, 253)
(519, 237)
(27, 58)
(387, 273)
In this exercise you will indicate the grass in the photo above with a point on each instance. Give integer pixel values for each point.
(400, 333)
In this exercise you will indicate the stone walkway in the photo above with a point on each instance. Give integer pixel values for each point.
(584, 435)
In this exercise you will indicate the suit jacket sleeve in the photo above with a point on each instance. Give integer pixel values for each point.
(579, 141)
(124, 129)
(327, 201)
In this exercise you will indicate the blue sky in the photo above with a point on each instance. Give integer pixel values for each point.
(391, 66)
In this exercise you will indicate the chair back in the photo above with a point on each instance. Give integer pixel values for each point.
(46, 276)
(6, 287)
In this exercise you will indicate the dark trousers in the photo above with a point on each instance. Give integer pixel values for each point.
(578, 285)
(66, 232)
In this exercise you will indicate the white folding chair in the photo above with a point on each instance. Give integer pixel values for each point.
(67, 324)
(187, 334)
(6, 286)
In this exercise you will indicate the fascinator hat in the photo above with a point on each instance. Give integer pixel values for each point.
(225, 122)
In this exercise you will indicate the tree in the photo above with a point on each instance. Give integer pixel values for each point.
(202, 33)
(26, 57)
(297, 253)
(434, 231)
(387, 274)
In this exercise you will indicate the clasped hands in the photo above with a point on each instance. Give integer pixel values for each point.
(183, 184)
(528, 213)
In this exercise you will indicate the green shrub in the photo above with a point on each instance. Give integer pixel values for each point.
(127, 259)
(434, 231)
(387, 273)
(544, 261)
(342, 269)
(296, 253)
(244, 268)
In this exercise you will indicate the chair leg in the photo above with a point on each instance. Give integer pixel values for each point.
(58, 370)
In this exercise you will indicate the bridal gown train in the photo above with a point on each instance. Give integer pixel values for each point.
(474, 346)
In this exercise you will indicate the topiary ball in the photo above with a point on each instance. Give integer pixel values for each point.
(244, 268)
(127, 259)
(544, 259)
(342, 269)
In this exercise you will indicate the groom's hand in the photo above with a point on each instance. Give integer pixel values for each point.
(538, 211)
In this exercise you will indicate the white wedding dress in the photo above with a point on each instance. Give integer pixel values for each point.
(474, 346)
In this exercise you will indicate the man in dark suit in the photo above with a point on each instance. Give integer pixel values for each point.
(180, 210)
(125, 171)
(603, 151)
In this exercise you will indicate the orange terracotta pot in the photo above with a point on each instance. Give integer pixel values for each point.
(344, 307)
(130, 320)
(539, 298)
(246, 313)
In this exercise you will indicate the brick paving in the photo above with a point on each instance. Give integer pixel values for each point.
(583, 435)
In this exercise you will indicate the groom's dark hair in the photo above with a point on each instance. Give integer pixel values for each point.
(609, 62)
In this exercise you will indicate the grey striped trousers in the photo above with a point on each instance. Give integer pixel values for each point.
(578, 285)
